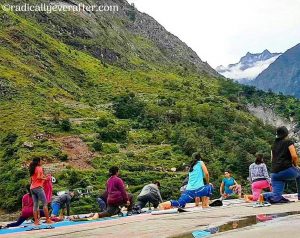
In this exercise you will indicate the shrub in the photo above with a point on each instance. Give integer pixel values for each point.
(63, 157)
(97, 145)
(114, 133)
(66, 125)
(128, 106)
(103, 122)
(110, 149)
(130, 154)
(10, 138)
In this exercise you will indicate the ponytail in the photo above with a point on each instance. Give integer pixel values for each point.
(35, 162)
(197, 157)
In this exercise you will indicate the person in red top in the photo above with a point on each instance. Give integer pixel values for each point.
(37, 191)
(27, 210)
(116, 195)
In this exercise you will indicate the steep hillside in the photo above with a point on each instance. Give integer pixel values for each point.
(144, 112)
(127, 37)
(283, 76)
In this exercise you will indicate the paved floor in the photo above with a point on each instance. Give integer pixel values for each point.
(148, 226)
(281, 228)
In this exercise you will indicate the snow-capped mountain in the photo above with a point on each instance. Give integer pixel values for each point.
(249, 66)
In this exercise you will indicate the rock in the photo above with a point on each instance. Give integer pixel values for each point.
(28, 145)
(41, 136)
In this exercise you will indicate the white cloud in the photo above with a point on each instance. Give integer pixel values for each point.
(221, 31)
(236, 73)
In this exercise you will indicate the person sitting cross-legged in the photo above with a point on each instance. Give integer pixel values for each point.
(229, 187)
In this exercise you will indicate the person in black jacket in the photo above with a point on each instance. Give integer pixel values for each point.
(284, 166)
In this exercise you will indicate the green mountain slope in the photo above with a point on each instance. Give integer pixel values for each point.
(145, 113)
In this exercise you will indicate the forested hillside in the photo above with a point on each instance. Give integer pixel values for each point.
(146, 110)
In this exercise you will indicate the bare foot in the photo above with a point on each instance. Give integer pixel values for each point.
(205, 202)
(48, 221)
(247, 199)
(261, 198)
(197, 201)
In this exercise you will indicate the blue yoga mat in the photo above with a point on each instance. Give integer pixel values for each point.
(199, 234)
(58, 224)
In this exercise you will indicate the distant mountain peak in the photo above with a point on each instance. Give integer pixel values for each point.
(283, 75)
(249, 66)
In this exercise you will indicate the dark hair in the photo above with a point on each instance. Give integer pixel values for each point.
(113, 170)
(228, 171)
(35, 162)
(28, 189)
(157, 183)
(282, 132)
(197, 157)
(259, 158)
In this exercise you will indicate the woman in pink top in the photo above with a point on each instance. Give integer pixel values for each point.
(116, 195)
(27, 210)
(37, 191)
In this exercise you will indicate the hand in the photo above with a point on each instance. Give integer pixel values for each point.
(128, 203)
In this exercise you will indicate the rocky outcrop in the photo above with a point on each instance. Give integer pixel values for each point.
(169, 44)
(269, 116)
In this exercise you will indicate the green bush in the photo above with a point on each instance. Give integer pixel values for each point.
(110, 149)
(9, 139)
(65, 125)
(103, 122)
(128, 106)
(97, 145)
(130, 154)
(63, 157)
(114, 133)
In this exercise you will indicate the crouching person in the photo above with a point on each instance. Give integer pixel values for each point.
(149, 194)
(195, 187)
(117, 196)
(61, 203)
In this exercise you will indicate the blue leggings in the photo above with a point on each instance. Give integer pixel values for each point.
(190, 195)
(21, 219)
(278, 183)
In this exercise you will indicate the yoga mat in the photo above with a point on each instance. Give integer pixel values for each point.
(56, 225)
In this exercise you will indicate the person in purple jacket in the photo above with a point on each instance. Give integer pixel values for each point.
(117, 196)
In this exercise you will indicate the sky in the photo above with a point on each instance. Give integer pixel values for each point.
(222, 31)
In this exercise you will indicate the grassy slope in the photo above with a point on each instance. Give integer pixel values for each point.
(43, 79)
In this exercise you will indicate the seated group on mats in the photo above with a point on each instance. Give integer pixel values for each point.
(196, 187)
